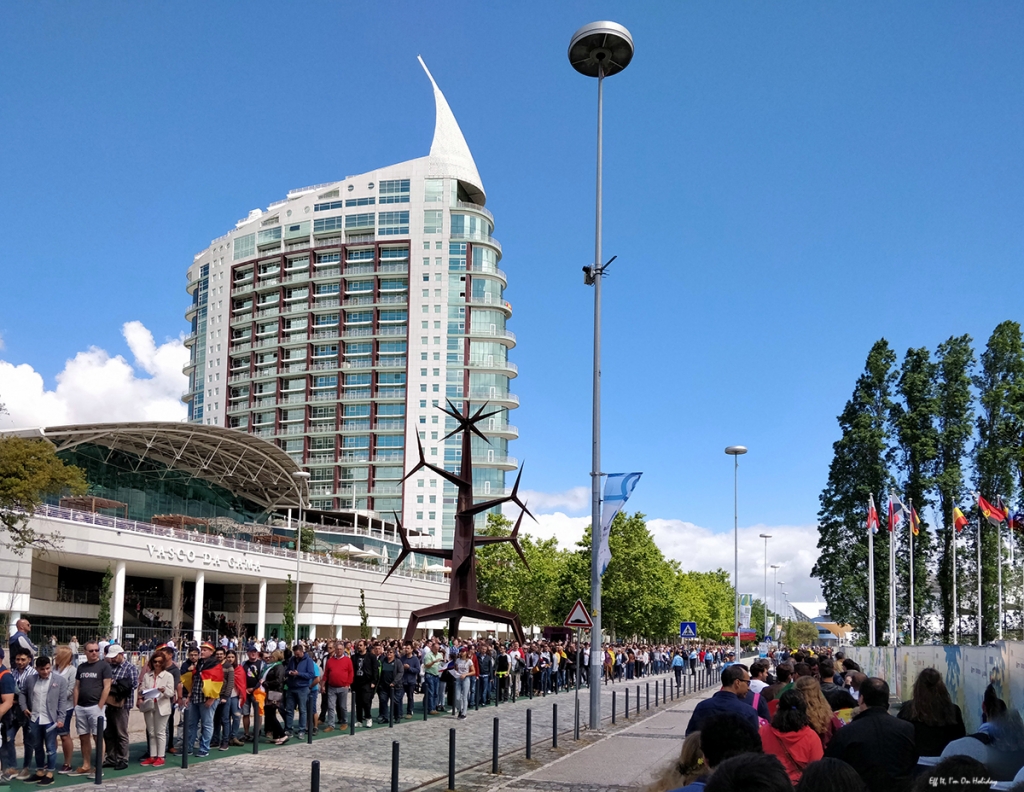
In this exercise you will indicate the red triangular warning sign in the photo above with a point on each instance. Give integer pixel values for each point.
(578, 617)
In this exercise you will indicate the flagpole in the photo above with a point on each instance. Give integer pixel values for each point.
(999, 574)
(956, 612)
(892, 573)
(871, 575)
(979, 574)
(910, 501)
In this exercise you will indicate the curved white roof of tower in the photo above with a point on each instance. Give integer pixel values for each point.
(449, 153)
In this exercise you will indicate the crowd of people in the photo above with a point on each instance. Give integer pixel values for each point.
(211, 696)
(815, 722)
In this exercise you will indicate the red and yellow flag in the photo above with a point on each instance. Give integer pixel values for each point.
(915, 521)
(959, 521)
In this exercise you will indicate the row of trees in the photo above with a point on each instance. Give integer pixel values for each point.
(934, 427)
(643, 594)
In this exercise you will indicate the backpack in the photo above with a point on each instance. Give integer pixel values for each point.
(760, 721)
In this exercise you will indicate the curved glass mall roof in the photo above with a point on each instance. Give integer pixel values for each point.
(244, 465)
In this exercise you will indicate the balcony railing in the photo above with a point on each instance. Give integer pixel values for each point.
(486, 239)
(75, 517)
(475, 208)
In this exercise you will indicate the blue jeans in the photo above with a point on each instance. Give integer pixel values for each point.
(433, 681)
(483, 689)
(199, 713)
(8, 756)
(314, 694)
(44, 742)
(293, 699)
(230, 715)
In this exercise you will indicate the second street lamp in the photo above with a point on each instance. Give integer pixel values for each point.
(735, 452)
(766, 537)
(775, 592)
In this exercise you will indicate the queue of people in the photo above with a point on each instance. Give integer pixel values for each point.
(828, 727)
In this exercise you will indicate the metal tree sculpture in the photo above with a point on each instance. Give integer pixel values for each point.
(462, 597)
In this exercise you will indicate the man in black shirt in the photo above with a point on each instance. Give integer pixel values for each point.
(253, 670)
(878, 746)
(92, 687)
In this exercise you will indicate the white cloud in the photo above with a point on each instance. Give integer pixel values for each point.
(95, 386)
(793, 547)
(699, 549)
(572, 500)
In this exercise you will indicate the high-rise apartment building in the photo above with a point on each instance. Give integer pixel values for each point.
(336, 322)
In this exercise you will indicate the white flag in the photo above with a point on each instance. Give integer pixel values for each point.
(617, 489)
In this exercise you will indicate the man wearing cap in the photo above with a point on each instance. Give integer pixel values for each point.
(124, 679)
(201, 708)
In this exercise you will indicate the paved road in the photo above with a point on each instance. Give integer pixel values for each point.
(610, 759)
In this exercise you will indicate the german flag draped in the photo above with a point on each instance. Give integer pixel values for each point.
(212, 677)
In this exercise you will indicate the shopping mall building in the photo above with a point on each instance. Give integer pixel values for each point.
(197, 527)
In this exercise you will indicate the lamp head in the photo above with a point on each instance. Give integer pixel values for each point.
(765, 536)
(601, 49)
(736, 450)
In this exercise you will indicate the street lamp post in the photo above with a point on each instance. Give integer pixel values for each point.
(775, 592)
(766, 537)
(301, 477)
(735, 452)
(599, 50)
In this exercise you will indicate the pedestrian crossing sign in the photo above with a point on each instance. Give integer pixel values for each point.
(688, 629)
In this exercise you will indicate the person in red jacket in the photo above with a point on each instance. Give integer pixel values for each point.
(789, 736)
(336, 680)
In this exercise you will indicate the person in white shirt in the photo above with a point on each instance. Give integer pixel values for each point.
(758, 676)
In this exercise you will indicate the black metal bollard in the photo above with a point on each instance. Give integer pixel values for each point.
(314, 776)
(554, 725)
(613, 708)
(394, 766)
(256, 730)
(391, 710)
(185, 742)
(656, 686)
(310, 721)
(352, 716)
(647, 706)
(529, 682)
(494, 750)
(451, 758)
(100, 724)
(576, 721)
(627, 703)
(425, 696)
(529, 733)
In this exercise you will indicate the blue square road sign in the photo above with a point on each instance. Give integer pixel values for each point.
(688, 629)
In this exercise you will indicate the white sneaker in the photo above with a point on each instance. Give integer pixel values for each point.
(369, 723)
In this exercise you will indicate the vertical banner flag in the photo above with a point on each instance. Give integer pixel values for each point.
(872, 515)
(746, 608)
(959, 520)
(915, 521)
(617, 489)
(896, 511)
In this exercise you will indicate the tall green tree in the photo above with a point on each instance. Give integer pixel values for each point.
(914, 420)
(504, 581)
(30, 471)
(955, 424)
(998, 454)
(860, 467)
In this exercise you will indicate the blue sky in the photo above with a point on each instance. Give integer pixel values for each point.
(784, 185)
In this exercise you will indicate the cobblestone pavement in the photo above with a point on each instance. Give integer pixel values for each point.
(363, 762)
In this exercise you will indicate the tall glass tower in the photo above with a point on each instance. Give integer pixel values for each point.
(335, 322)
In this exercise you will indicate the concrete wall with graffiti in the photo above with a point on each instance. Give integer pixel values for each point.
(967, 671)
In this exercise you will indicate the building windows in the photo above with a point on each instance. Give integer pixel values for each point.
(359, 202)
(393, 223)
(245, 246)
(269, 235)
(323, 207)
(364, 220)
(394, 191)
(433, 221)
(433, 191)
(327, 224)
